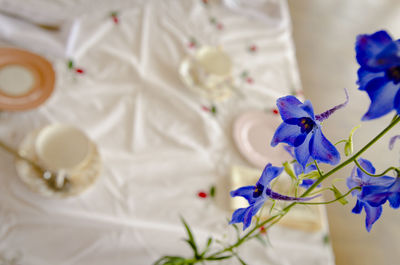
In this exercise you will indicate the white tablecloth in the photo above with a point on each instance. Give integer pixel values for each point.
(158, 143)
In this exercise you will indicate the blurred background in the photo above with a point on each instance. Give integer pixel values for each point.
(324, 35)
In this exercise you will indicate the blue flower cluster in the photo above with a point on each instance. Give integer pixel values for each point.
(375, 191)
(379, 75)
(379, 72)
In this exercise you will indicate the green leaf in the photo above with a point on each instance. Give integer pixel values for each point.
(212, 191)
(192, 245)
(338, 195)
(190, 240)
(326, 239)
(70, 64)
(219, 258)
(348, 148)
(208, 244)
(312, 175)
(261, 240)
(213, 109)
(170, 260)
(289, 171)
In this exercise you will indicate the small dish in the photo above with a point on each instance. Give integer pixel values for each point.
(26, 79)
(208, 73)
(252, 132)
(80, 180)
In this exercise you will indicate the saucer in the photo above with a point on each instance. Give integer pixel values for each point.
(26, 79)
(80, 181)
(252, 133)
(188, 77)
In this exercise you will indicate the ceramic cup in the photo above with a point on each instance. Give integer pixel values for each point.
(61, 147)
(212, 67)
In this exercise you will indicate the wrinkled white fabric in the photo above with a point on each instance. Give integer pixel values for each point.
(159, 147)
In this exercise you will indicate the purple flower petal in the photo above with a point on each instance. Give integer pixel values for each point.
(290, 107)
(322, 150)
(396, 102)
(372, 215)
(302, 152)
(269, 173)
(382, 94)
(277, 196)
(374, 195)
(369, 46)
(392, 141)
(323, 116)
(251, 211)
(307, 107)
(238, 215)
(394, 198)
(286, 134)
(245, 192)
(364, 76)
(358, 207)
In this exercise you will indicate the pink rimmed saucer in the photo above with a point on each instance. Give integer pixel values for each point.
(252, 132)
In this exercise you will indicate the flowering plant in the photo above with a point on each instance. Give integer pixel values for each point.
(301, 132)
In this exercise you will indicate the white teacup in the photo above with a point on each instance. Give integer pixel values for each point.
(61, 147)
(212, 67)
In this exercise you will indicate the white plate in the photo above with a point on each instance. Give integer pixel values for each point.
(79, 181)
(252, 132)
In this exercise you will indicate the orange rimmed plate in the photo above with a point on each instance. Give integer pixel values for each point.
(26, 79)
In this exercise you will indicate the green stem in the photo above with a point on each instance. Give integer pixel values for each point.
(332, 201)
(319, 171)
(376, 175)
(395, 120)
(354, 157)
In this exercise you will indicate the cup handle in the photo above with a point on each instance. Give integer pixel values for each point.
(60, 177)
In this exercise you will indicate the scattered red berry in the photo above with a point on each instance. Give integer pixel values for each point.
(202, 194)
(263, 230)
(249, 80)
(192, 44)
(253, 48)
(205, 1)
(115, 19)
(79, 71)
(205, 108)
(220, 26)
(275, 111)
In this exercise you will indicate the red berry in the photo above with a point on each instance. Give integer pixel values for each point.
(79, 71)
(275, 111)
(253, 48)
(205, 1)
(205, 108)
(249, 80)
(115, 19)
(263, 230)
(202, 194)
(192, 44)
(220, 26)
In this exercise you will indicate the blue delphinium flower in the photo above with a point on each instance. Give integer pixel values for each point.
(378, 194)
(298, 169)
(379, 72)
(302, 130)
(374, 192)
(258, 194)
